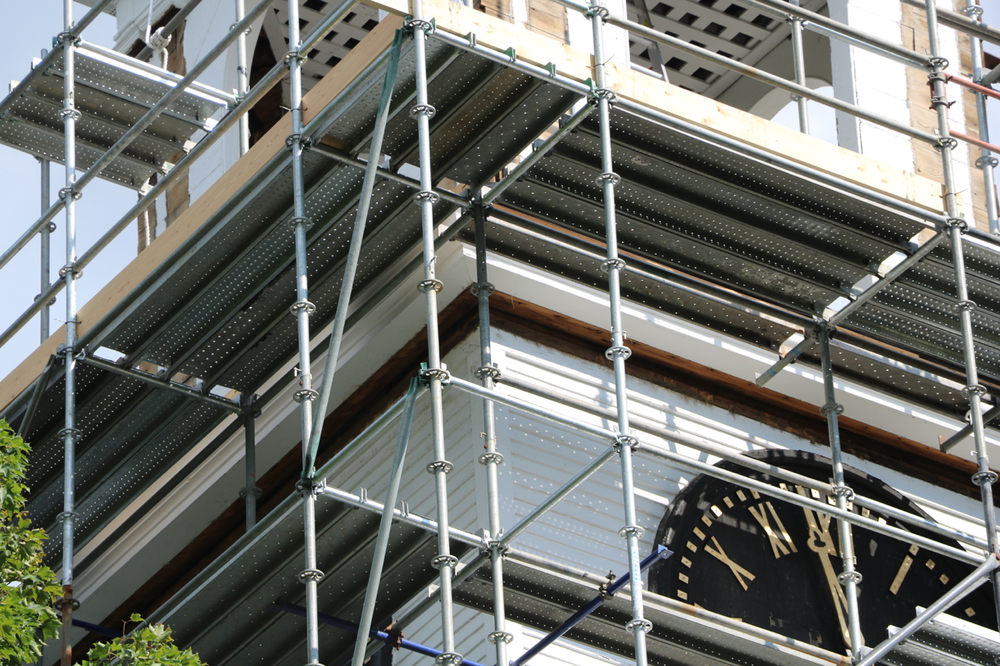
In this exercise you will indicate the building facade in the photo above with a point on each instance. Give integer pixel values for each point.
(582, 304)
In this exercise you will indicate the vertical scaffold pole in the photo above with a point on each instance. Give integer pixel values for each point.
(444, 561)
(849, 578)
(242, 78)
(69, 274)
(45, 266)
(488, 374)
(618, 352)
(302, 309)
(974, 391)
(799, 63)
(986, 162)
(250, 492)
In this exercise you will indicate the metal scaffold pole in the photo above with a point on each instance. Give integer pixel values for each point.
(492, 459)
(250, 492)
(70, 434)
(385, 525)
(799, 62)
(618, 352)
(46, 254)
(353, 254)
(974, 391)
(422, 111)
(986, 162)
(846, 599)
(242, 77)
(302, 309)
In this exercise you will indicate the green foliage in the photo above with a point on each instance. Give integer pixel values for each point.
(149, 645)
(27, 589)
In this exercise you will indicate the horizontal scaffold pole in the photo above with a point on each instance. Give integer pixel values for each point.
(385, 637)
(661, 553)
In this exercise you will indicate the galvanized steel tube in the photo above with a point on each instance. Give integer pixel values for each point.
(353, 257)
(385, 525)
(46, 252)
(422, 111)
(986, 161)
(69, 273)
(974, 391)
(492, 459)
(618, 352)
(850, 578)
(302, 309)
(242, 77)
(799, 63)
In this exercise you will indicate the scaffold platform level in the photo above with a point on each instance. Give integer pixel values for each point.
(113, 91)
(946, 641)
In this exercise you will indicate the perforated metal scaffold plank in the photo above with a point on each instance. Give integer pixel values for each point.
(112, 93)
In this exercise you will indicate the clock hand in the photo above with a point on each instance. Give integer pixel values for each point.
(821, 543)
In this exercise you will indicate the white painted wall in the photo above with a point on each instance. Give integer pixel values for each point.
(871, 81)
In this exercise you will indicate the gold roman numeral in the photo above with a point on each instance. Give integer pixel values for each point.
(780, 542)
(737, 570)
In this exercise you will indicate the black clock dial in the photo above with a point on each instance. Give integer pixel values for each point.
(775, 565)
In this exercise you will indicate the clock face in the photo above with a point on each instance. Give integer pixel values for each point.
(775, 565)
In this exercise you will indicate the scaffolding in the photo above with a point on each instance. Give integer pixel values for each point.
(905, 259)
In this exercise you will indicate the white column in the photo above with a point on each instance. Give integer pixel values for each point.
(871, 81)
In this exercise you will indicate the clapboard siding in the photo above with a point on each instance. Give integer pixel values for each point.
(540, 456)
(582, 530)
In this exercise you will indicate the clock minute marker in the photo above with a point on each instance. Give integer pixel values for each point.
(737, 570)
(904, 569)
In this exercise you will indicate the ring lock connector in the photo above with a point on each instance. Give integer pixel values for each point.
(491, 457)
(643, 625)
(426, 285)
(439, 561)
(484, 288)
(985, 478)
(426, 375)
(305, 394)
(492, 372)
(831, 408)
(440, 466)
(849, 577)
(311, 575)
(630, 441)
